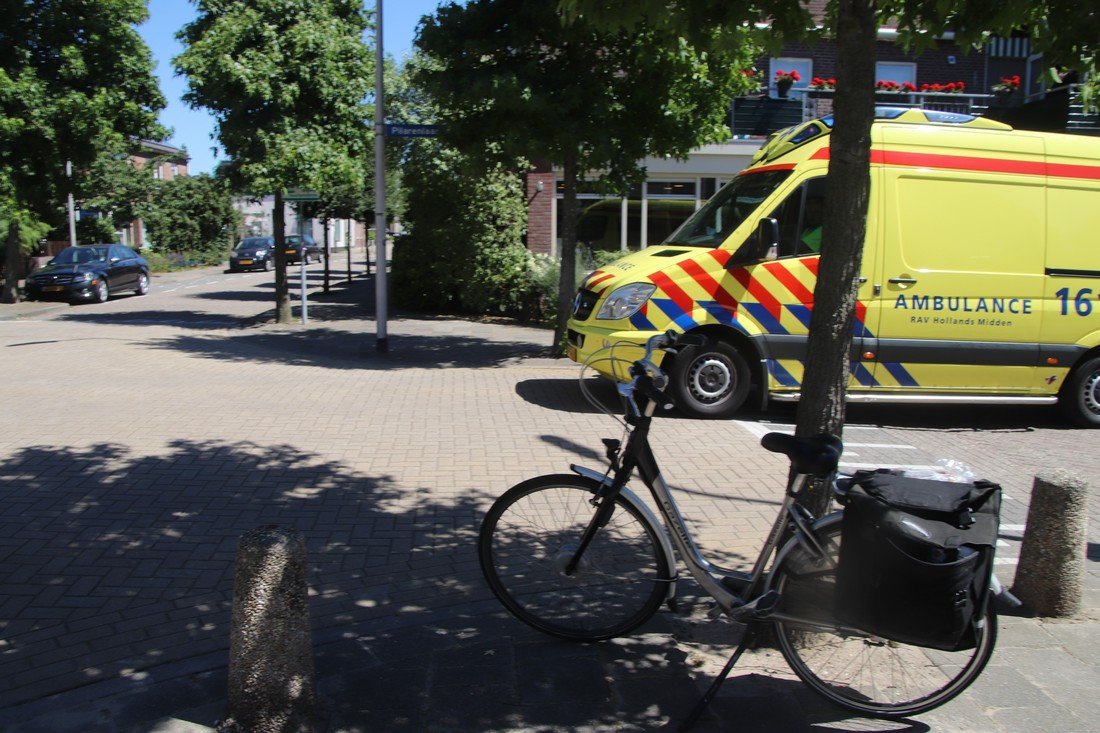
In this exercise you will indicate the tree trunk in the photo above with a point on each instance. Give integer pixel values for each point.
(824, 385)
(282, 289)
(9, 293)
(567, 283)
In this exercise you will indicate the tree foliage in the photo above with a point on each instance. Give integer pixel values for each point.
(287, 84)
(191, 215)
(75, 79)
(115, 186)
(508, 76)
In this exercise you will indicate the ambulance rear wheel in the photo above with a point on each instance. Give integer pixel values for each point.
(1080, 398)
(709, 381)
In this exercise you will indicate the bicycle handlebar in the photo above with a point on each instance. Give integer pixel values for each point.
(648, 379)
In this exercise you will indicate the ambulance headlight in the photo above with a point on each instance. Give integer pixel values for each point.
(625, 302)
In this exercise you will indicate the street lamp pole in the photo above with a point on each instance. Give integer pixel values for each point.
(72, 207)
(381, 340)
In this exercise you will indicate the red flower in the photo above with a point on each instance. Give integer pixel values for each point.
(787, 76)
(1008, 84)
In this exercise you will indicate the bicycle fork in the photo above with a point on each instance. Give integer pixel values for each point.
(605, 507)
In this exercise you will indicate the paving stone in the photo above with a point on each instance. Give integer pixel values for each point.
(120, 540)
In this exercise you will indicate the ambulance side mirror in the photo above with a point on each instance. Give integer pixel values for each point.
(767, 238)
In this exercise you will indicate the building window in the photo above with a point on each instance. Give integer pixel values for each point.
(804, 67)
(668, 205)
(600, 222)
(644, 217)
(158, 172)
(175, 170)
(896, 71)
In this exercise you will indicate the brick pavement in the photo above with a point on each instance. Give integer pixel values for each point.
(121, 517)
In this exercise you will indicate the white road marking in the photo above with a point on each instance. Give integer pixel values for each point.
(898, 446)
(899, 466)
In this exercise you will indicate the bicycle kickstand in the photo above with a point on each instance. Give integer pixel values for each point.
(697, 711)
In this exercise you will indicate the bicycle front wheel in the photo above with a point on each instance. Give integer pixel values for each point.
(857, 670)
(533, 531)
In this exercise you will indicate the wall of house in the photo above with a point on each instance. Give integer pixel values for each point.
(945, 63)
(133, 235)
(257, 218)
(672, 190)
(540, 209)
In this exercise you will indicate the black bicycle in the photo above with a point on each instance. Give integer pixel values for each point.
(580, 556)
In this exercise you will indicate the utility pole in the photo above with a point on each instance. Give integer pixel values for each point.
(381, 339)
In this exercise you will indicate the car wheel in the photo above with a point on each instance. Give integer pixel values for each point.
(101, 291)
(1080, 395)
(267, 265)
(142, 284)
(709, 381)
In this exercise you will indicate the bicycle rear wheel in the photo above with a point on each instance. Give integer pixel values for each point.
(532, 532)
(860, 671)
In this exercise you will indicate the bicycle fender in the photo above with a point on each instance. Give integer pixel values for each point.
(659, 528)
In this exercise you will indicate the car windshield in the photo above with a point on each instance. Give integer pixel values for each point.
(716, 220)
(80, 255)
(254, 243)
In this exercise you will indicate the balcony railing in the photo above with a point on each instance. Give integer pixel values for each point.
(1082, 119)
(761, 116)
(818, 103)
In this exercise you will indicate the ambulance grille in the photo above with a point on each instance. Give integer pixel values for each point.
(583, 304)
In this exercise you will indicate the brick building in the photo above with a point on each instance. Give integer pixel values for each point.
(168, 162)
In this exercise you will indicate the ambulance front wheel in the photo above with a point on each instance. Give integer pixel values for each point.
(709, 381)
(1080, 398)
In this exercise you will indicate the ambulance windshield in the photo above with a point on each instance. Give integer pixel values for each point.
(735, 202)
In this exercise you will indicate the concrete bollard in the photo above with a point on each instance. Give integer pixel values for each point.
(271, 675)
(1051, 569)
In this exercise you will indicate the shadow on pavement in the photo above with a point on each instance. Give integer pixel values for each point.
(548, 393)
(198, 320)
(257, 296)
(966, 417)
(117, 563)
(342, 349)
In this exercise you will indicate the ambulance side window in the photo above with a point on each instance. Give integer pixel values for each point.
(800, 216)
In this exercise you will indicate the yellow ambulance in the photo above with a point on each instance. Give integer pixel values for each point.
(980, 279)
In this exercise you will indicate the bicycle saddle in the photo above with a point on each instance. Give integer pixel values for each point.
(817, 456)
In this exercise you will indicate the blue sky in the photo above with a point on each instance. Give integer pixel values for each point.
(193, 129)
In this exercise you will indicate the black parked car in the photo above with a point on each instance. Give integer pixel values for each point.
(302, 246)
(89, 272)
(253, 252)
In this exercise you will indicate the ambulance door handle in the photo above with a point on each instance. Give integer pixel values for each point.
(903, 280)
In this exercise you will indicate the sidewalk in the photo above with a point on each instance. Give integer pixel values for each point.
(386, 463)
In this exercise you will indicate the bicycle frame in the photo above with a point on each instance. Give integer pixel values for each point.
(638, 454)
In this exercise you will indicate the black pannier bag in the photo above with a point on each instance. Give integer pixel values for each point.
(916, 557)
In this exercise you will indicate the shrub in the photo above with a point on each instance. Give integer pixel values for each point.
(463, 251)
(191, 217)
